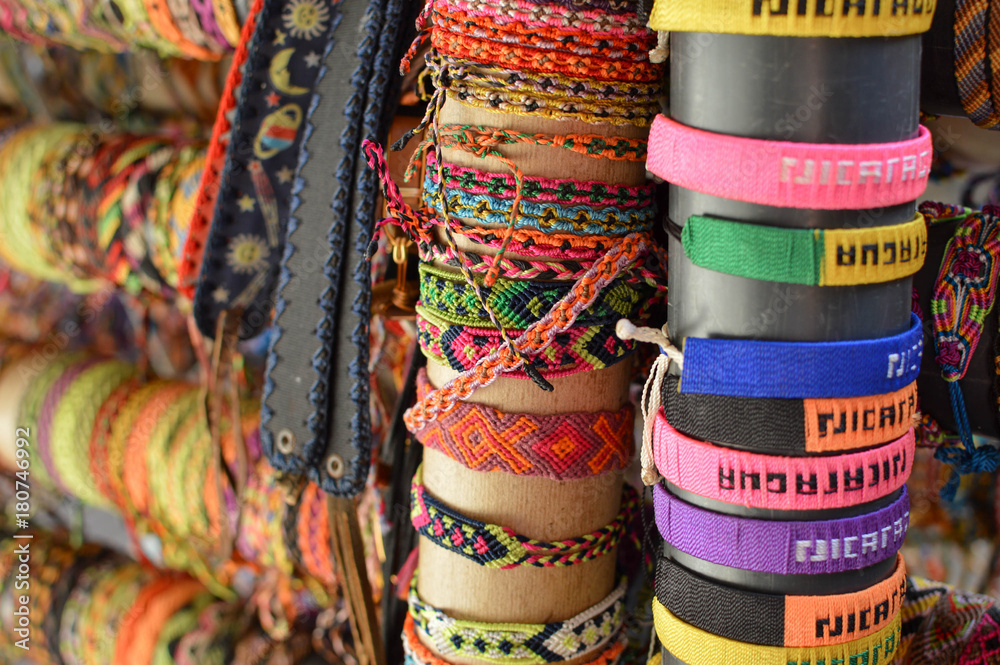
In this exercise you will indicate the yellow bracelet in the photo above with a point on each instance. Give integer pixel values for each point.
(795, 18)
(694, 646)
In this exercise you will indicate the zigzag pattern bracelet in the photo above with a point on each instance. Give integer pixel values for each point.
(504, 185)
(416, 653)
(494, 546)
(521, 643)
(519, 304)
(565, 446)
(580, 219)
(579, 349)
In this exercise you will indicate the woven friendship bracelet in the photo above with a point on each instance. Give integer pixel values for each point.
(795, 370)
(541, 60)
(974, 74)
(580, 17)
(819, 257)
(579, 219)
(566, 446)
(504, 185)
(417, 654)
(806, 18)
(579, 349)
(450, 72)
(694, 646)
(494, 546)
(783, 548)
(790, 175)
(539, 270)
(521, 643)
(776, 620)
(520, 103)
(782, 483)
(633, 48)
(794, 427)
(517, 304)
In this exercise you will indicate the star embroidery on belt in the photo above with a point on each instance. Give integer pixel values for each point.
(279, 38)
(284, 175)
(273, 99)
(246, 203)
(312, 59)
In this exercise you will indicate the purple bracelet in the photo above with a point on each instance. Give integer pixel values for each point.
(783, 548)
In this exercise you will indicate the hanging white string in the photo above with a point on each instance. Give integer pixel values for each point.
(652, 391)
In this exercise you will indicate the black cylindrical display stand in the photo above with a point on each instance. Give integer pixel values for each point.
(815, 90)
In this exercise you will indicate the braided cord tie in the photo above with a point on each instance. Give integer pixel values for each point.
(536, 338)
(971, 55)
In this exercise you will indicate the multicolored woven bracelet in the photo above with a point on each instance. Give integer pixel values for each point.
(518, 304)
(530, 269)
(565, 446)
(494, 546)
(505, 186)
(694, 646)
(794, 426)
(770, 619)
(781, 483)
(578, 219)
(581, 17)
(578, 349)
(417, 654)
(520, 643)
(517, 35)
(818, 257)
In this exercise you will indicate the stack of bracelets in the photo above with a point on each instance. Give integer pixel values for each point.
(148, 454)
(90, 605)
(525, 277)
(94, 210)
(199, 30)
(777, 465)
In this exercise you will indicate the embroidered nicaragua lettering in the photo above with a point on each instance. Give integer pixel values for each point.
(851, 547)
(870, 656)
(863, 619)
(840, 424)
(851, 172)
(905, 360)
(854, 479)
(831, 7)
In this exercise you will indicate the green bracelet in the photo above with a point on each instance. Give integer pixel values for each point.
(817, 257)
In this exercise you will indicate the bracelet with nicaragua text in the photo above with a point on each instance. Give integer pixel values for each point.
(793, 426)
(816, 257)
(496, 546)
(779, 547)
(756, 480)
(776, 620)
(816, 176)
(521, 643)
(798, 370)
(805, 18)
(695, 646)
(564, 446)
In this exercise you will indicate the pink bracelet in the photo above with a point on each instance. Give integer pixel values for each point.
(782, 483)
(791, 175)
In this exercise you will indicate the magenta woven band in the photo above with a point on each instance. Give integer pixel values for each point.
(784, 548)
(563, 446)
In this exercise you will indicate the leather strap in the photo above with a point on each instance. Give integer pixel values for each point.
(315, 408)
(247, 233)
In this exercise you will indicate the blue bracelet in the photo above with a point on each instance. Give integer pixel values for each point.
(800, 370)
